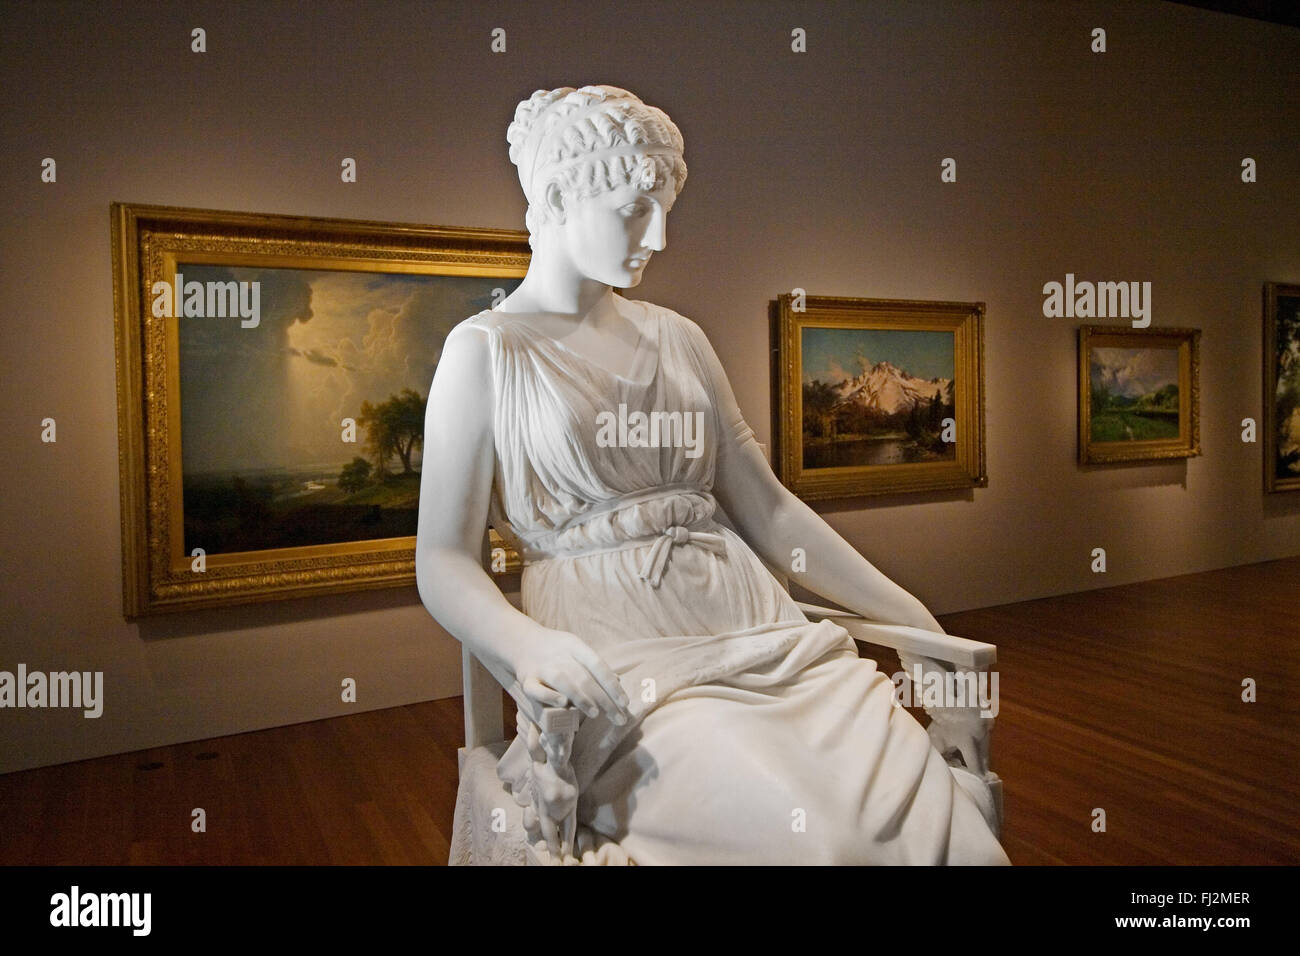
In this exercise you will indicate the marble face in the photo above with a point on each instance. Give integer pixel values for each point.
(611, 236)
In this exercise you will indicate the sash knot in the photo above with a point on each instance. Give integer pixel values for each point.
(656, 559)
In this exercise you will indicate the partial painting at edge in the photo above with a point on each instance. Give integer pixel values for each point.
(1286, 397)
(876, 396)
(265, 457)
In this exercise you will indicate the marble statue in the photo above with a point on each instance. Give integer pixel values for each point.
(676, 706)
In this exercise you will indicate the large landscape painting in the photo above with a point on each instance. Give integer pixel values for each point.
(308, 429)
(272, 377)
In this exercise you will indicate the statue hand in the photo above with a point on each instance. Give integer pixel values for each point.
(558, 669)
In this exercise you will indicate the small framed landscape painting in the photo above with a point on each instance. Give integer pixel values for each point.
(1139, 394)
(272, 379)
(1281, 387)
(877, 396)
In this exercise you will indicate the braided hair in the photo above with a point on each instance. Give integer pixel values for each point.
(589, 141)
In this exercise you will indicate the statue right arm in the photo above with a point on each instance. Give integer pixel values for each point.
(548, 667)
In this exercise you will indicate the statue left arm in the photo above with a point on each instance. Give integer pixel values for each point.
(773, 521)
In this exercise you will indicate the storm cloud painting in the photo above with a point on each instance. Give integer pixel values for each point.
(268, 458)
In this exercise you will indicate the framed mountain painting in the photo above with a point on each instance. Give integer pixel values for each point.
(877, 396)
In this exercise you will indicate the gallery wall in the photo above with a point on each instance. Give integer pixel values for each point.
(817, 170)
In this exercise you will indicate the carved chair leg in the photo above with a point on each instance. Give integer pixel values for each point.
(995, 788)
(551, 819)
(960, 729)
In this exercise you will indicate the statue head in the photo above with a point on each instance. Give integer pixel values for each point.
(558, 748)
(600, 169)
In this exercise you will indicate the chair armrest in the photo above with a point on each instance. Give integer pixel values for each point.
(914, 641)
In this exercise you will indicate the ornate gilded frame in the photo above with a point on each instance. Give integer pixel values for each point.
(147, 241)
(965, 320)
(1272, 292)
(1188, 442)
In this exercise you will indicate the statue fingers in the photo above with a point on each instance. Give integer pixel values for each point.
(606, 679)
(544, 694)
(578, 688)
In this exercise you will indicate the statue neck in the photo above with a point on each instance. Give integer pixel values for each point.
(554, 285)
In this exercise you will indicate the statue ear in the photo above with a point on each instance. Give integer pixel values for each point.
(554, 200)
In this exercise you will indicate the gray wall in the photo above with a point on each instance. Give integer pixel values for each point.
(817, 170)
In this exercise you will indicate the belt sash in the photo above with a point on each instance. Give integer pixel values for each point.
(661, 541)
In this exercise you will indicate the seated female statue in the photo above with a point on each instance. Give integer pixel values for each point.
(601, 437)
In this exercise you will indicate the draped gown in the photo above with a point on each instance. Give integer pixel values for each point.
(756, 736)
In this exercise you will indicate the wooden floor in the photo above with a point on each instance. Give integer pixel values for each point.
(1127, 699)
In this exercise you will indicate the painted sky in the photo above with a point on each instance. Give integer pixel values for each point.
(1134, 372)
(832, 355)
(275, 395)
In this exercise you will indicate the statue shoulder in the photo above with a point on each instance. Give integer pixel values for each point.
(675, 319)
(482, 321)
(468, 342)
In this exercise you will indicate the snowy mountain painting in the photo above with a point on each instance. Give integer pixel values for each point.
(876, 396)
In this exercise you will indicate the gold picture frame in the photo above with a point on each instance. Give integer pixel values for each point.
(441, 266)
(1281, 387)
(1139, 394)
(923, 430)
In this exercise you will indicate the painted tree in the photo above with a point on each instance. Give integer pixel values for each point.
(819, 401)
(394, 427)
(354, 475)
